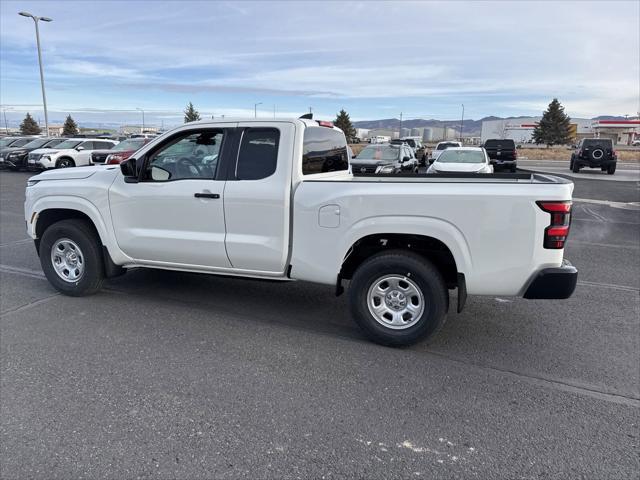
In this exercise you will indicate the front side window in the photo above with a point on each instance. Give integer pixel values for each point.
(37, 143)
(258, 155)
(68, 144)
(324, 150)
(190, 155)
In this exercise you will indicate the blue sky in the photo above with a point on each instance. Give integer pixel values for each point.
(375, 59)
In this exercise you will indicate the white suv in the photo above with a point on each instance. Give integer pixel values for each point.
(73, 152)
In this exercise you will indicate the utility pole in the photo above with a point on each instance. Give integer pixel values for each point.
(400, 131)
(274, 111)
(461, 123)
(6, 127)
(141, 131)
(44, 97)
(255, 109)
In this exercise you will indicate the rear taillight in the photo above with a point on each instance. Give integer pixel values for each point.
(515, 154)
(613, 153)
(324, 123)
(581, 152)
(555, 235)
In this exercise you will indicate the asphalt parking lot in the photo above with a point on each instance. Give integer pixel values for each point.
(172, 375)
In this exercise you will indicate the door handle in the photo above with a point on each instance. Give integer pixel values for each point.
(206, 195)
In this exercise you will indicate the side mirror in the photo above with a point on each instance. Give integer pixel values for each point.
(406, 159)
(80, 148)
(129, 171)
(353, 156)
(431, 160)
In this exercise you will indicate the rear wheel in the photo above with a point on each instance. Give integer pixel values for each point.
(575, 168)
(65, 163)
(612, 169)
(71, 258)
(398, 298)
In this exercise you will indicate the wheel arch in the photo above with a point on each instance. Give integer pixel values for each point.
(428, 247)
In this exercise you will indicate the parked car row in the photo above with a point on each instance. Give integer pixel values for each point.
(42, 153)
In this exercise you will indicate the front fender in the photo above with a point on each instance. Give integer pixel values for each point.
(69, 202)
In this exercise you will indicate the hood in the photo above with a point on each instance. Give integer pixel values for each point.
(371, 163)
(457, 167)
(71, 173)
(45, 150)
(10, 149)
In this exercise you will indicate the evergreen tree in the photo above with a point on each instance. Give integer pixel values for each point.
(191, 114)
(70, 128)
(343, 122)
(554, 127)
(29, 126)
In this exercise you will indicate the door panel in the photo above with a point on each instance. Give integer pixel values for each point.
(257, 201)
(160, 219)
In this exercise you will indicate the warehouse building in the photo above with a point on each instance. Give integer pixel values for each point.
(521, 129)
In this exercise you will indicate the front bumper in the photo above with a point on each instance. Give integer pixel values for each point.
(553, 283)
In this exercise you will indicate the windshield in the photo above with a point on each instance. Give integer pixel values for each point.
(37, 143)
(131, 144)
(68, 144)
(444, 146)
(6, 141)
(461, 156)
(379, 152)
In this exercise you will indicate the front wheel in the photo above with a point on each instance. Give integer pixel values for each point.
(398, 298)
(71, 257)
(65, 163)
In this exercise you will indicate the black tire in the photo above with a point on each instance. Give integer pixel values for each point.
(84, 236)
(611, 169)
(513, 169)
(575, 168)
(411, 266)
(65, 162)
(571, 163)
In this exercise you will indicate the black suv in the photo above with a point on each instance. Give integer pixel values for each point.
(594, 153)
(502, 154)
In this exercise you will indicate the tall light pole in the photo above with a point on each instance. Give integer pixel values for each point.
(142, 131)
(4, 112)
(461, 123)
(255, 109)
(44, 97)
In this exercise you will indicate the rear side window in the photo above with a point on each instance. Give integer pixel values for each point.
(324, 150)
(258, 155)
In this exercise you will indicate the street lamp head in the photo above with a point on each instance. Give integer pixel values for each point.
(25, 14)
(46, 19)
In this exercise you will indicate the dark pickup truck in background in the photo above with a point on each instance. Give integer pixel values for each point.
(502, 154)
(594, 153)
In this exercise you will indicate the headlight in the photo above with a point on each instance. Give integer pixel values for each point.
(385, 169)
(45, 157)
(31, 183)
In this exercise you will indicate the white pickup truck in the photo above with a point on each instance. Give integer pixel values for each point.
(276, 200)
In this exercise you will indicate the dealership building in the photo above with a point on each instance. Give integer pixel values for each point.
(520, 130)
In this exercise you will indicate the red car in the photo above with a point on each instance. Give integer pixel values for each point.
(120, 152)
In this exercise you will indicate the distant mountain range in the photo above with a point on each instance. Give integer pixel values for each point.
(471, 127)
